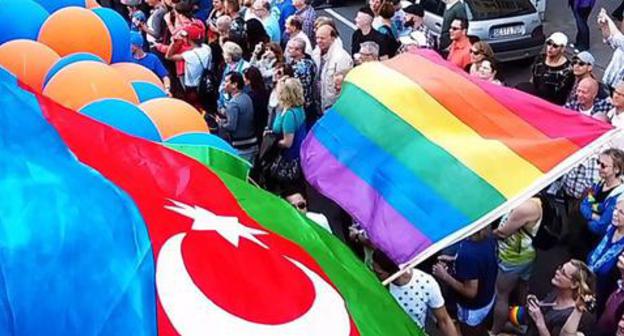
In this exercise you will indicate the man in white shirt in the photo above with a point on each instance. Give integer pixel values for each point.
(196, 59)
(294, 29)
(330, 58)
(417, 293)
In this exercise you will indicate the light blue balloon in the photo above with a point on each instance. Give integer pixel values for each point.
(70, 59)
(119, 32)
(147, 91)
(53, 5)
(202, 138)
(21, 20)
(124, 116)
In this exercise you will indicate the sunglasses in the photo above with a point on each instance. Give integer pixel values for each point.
(579, 63)
(560, 270)
(300, 205)
(552, 44)
(476, 52)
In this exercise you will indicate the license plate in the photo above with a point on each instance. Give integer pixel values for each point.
(508, 31)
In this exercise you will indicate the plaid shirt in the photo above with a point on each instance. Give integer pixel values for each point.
(601, 106)
(581, 178)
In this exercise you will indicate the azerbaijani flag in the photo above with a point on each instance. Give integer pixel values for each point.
(422, 155)
(105, 233)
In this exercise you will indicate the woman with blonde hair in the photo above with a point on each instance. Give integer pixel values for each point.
(289, 128)
(478, 52)
(572, 297)
(289, 121)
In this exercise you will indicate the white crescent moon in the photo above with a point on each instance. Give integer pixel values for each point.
(192, 313)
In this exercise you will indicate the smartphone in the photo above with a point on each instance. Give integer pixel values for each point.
(546, 304)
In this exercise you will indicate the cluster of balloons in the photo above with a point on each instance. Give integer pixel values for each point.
(78, 54)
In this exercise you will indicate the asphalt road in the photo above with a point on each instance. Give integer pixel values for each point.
(558, 17)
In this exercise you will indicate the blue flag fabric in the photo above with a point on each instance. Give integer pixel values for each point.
(75, 255)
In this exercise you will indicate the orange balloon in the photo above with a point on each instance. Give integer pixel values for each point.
(136, 72)
(75, 29)
(28, 60)
(92, 4)
(173, 116)
(80, 83)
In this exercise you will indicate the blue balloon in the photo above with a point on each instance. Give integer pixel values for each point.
(21, 20)
(73, 262)
(119, 32)
(69, 59)
(201, 138)
(147, 91)
(53, 5)
(124, 116)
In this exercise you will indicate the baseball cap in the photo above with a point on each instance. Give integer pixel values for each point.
(586, 57)
(136, 39)
(194, 31)
(559, 39)
(415, 9)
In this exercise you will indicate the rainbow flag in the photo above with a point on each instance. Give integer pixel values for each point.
(422, 155)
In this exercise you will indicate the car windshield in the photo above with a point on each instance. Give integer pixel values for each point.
(494, 9)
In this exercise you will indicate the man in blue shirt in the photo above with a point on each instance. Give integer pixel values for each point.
(236, 120)
(474, 281)
(148, 60)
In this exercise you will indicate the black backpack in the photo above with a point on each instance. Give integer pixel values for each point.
(549, 232)
(208, 85)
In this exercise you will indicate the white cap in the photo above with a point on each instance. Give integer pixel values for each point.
(559, 39)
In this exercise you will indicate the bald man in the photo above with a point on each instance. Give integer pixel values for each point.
(330, 58)
(586, 100)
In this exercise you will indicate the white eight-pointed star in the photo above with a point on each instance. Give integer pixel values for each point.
(228, 227)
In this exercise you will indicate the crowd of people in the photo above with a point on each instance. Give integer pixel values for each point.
(262, 72)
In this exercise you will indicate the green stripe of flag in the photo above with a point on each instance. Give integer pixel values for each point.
(215, 159)
(372, 308)
(427, 161)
